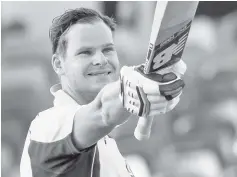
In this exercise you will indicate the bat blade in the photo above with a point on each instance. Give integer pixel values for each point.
(170, 29)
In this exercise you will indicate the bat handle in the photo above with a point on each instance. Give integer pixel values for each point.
(143, 129)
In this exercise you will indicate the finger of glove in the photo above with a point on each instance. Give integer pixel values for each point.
(131, 92)
(158, 106)
(157, 112)
(171, 86)
(153, 88)
(167, 77)
(178, 94)
(171, 97)
(133, 101)
(156, 99)
(179, 68)
(128, 82)
(162, 78)
(131, 108)
(172, 104)
(173, 92)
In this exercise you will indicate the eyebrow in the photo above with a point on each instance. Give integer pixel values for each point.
(90, 48)
(108, 45)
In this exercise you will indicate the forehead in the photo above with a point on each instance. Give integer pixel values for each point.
(85, 34)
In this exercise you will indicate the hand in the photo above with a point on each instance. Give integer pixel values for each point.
(113, 112)
(151, 94)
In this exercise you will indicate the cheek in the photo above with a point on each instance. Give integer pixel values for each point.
(115, 62)
(75, 69)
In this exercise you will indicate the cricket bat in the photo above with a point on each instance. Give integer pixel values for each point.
(170, 29)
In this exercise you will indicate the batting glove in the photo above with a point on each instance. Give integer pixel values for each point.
(151, 94)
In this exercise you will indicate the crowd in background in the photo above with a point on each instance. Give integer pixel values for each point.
(197, 139)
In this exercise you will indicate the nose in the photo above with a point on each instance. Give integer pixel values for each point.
(100, 59)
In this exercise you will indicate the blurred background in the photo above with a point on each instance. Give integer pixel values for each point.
(197, 139)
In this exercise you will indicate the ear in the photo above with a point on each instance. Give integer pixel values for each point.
(57, 64)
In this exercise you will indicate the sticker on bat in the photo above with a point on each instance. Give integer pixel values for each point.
(149, 53)
(169, 51)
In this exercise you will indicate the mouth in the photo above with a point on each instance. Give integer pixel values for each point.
(100, 73)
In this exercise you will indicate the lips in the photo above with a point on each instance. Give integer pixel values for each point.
(100, 73)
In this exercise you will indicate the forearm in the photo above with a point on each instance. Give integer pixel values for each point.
(100, 117)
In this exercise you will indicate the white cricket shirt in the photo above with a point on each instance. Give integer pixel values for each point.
(50, 152)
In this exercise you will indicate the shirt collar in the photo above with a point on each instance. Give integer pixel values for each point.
(60, 97)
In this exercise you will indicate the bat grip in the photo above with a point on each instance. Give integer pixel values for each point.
(143, 129)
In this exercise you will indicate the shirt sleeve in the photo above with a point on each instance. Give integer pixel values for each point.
(25, 166)
(51, 148)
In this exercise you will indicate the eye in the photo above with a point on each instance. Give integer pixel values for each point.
(86, 52)
(108, 49)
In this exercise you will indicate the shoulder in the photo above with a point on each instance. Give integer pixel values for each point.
(53, 124)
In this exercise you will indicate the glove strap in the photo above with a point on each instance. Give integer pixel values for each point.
(122, 89)
(144, 102)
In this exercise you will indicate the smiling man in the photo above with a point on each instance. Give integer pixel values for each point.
(70, 139)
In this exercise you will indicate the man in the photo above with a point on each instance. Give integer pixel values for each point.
(70, 139)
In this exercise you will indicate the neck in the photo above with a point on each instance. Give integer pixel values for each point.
(80, 97)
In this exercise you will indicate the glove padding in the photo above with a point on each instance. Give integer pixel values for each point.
(151, 94)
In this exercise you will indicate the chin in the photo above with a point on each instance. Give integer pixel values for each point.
(95, 84)
(99, 86)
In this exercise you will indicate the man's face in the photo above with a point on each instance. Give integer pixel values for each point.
(91, 60)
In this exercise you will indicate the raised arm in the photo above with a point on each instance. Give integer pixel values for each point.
(100, 117)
